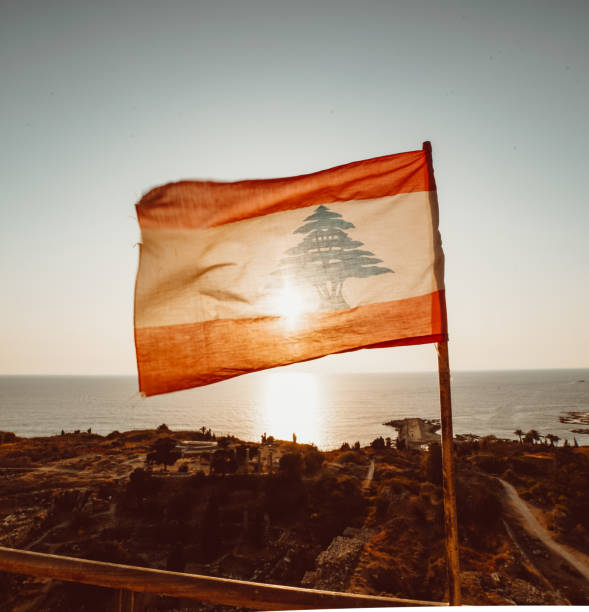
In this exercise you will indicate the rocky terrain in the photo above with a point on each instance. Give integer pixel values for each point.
(365, 520)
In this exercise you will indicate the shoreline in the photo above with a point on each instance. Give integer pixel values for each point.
(336, 407)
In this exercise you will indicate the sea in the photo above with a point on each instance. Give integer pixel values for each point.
(324, 409)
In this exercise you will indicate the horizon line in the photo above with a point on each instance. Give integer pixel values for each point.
(270, 370)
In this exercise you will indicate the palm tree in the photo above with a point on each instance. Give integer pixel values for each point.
(519, 433)
(534, 436)
(553, 439)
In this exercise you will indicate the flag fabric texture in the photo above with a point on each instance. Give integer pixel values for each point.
(239, 277)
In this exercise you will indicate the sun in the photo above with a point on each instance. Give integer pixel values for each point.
(291, 303)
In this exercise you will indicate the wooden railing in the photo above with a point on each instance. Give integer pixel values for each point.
(130, 579)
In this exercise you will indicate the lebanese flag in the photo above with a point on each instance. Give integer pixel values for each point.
(244, 276)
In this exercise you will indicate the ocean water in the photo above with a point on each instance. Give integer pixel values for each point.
(324, 409)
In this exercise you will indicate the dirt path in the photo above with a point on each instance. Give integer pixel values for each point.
(128, 465)
(45, 468)
(369, 476)
(535, 528)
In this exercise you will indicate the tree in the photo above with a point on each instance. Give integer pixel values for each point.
(326, 257)
(519, 433)
(141, 485)
(241, 454)
(291, 465)
(532, 437)
(224, 462)
(553, 439)
(313, 461)
(163, 451)
(378, 443)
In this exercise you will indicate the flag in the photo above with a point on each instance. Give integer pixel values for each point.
(242, 276)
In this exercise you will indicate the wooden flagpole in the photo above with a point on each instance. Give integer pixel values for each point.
(449, 478)
(449, 481)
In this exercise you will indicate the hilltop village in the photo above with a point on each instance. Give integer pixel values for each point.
(358, 519)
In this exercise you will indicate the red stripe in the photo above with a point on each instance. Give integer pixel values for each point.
(201, 204)
(177, 357)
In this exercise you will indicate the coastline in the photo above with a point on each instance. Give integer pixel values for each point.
(321, 409)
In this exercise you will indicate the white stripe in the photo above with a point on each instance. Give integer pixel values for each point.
(195, 275)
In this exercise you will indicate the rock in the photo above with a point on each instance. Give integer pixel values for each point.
(309, 579)
(335, 564)
(523, 593)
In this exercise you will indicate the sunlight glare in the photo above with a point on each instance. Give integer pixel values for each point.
(292, 405)
(290, 304)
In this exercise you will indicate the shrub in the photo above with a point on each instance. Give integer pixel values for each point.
(540, 493)
(479, 511)
(434, 464)
(335, 503)
(313, 461)
(382, 505)
(351, 457)
(491, 464)
(142, 486)
(291, 465)
(163, 451)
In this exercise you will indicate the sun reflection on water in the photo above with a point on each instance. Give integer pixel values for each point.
(292, 405)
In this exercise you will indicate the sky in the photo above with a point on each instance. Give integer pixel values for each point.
(100, 101)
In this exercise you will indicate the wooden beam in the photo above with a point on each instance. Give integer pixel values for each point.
(240, 593)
